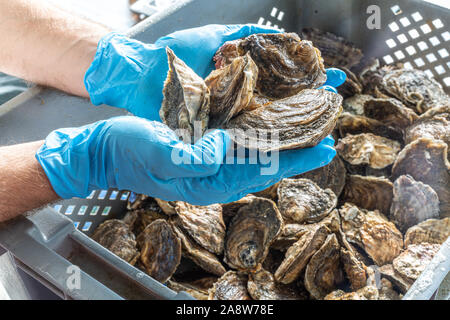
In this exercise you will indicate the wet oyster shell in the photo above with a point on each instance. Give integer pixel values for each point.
(369, 192)
(391, 112)
(431, 231)
(204, 224)
(355, 104)
(286, 64)
(371, 231)
(425, 160)
(160, 250)
(231, 286)
(231, 89)
(186, 99)
(301, 200)
(413, 202)
(116, 236)
(300, 121)
(366, 293)
(262, 286)
(323, 272)
(355, 270)
(250, 234)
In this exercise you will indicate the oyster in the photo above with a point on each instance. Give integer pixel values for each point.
(231, 89)
(231, 286)
(425, 160)
(368, 192)
(298, 255)
(386, 291)
(262, 286)
(299, 121)
(355, 104)
(330, 176)
(355, 269)
(290, 234)
(431, 231)
(168, 207)
(323, 272)
(286, 64)
(351, 86)
(371, 231)
(366, 293)
(186, 99)
(203, 223)
(229, 210)
(391, 112)
(368, 149)
(336, 51)
(192, 289)
(116, 236)
(413, 202)
(160, 250)
(301, 200)
(250, 233)
(401, 283)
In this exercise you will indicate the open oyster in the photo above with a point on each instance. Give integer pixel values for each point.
(116, 236)
(250, 233)
(371, 231)
(160, 250)
(336, 51)
(231, 286)
(203, 223)
(425, 160)
(301, 200)
(413, 202)
(323, 272)
(365, 293)
(262, 286)
(286, 64)
(368, 192)
(231, 89)
(391, 112)
(186, 99)
(355, 104)
(355, 270)
(298, 255)
(431, 231)
(298, 121)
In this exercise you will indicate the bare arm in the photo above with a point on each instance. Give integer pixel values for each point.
(45, 45)
(23, 184)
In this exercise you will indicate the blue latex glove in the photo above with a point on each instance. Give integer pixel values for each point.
(131, 153)
(129, 74)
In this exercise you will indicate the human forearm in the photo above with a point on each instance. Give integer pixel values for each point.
(45, 45)
(23, 184)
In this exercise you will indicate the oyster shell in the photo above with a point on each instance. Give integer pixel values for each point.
(351, 86)
(229, 210)
(231, 89)
(269, 193)
(203, 223)
(286, 64)
(192, 289)
(391, 112)
(401, 283)
(186, 99)
(355, 104)
(231, 286)
(301, 200)
(290, 234)
(355, 270)
(413, 202)
(431, 231)
(262, 286)
(386, 291)
(299, 121)
(425, 160)
(368, 192)
(250, 233)
(366, 293)
(160, 250)
(116, 236)
(323, 272)
(298, 255)
(371, 231)
(168, 207)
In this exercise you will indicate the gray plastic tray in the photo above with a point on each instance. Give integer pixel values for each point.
(48, 241)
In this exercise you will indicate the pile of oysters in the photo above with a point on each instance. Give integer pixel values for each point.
(363, 227)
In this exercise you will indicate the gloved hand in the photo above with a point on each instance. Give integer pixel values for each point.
(131, 153)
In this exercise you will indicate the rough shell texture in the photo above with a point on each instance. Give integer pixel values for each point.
(231, 89)
(186, 98)
(301, 200)
(390, 112)
(262, 286)
(371, 231)
(366, 293)
(298, 121)
(431, 231)
(290, 234)
(413, 261)
(401, 283)
(425, 160)
(204, 224)
(368, 149)
(355, 104)
(368, 192)
(298, 255)
(231, 286)
(355, 270)
(286, 64)
(323, 272)
(116, 236)
(160, 250)
(250, 234)
(413, 202)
